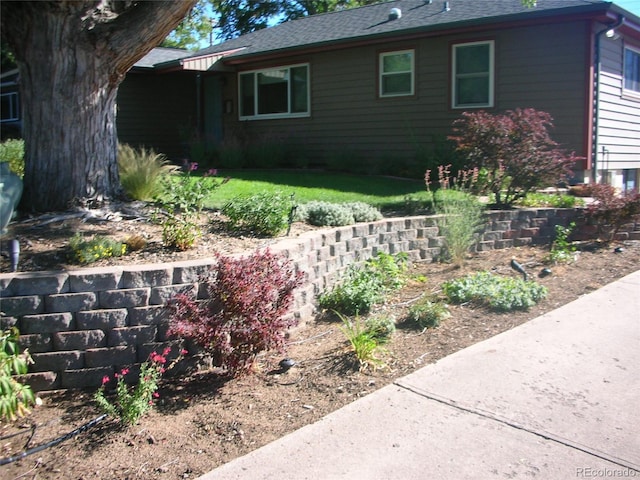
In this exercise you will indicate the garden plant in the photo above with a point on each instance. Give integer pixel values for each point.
(502, 294)
(460, 214)
(130, 404)
(513, 151)
(366, 285)
(245, 314)
(15, 397)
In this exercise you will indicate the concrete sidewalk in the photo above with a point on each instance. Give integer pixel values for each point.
(556, 398)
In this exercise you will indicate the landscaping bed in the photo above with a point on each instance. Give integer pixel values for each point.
(202, 420)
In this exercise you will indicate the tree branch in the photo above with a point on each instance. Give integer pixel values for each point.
(139, 28)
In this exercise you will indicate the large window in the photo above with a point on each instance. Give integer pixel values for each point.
(396, 73)
(9, 107)
(472, 75)
(275, 93)
(632, 70)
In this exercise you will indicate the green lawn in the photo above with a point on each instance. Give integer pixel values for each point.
(381, 192)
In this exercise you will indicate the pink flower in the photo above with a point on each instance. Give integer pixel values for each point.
(105, 379)
(183, 352)
(124, 371)
(166, 351)
(156, 395)
(193, 166)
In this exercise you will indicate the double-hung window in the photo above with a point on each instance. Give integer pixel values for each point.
(9, 107)
(274, 93)
(397, 73)
(473, 75)
(632, 71)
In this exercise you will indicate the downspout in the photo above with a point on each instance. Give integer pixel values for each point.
(596, 95)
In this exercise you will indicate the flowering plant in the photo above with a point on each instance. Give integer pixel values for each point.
(131, 404)
(183, 199)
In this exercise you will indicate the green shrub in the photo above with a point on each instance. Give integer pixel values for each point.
(142, 172)
(89, 251)
(12, 151)
(562, 250)
(325, 214)
(264, 213)
(499, 293)
(428, 314)
(363, 212)
(365, 285)
(180, 233)
(380, 327)
(535, 199)
(15, 398)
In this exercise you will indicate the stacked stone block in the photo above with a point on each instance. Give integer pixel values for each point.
(80, 325)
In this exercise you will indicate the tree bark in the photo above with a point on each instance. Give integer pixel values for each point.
(72, 56)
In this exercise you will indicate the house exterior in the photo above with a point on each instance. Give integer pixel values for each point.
(10, 118)
(376, 88)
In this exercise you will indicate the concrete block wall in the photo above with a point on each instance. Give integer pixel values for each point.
(80, 325)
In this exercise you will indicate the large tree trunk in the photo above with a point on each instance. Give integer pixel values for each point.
(69, 125)
(72, 56)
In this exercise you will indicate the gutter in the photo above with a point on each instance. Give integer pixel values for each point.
(596, 94)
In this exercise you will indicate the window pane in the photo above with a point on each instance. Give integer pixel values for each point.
(396, 63)
(472, 59)
(9, 106)
(473, 75)
(472, 91)
(631, 70)
(273, 92)
(299, 94)
(396, 84)
(247, 95)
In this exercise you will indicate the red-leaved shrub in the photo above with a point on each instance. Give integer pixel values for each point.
(513, 151)
(611, 211)
(245, 312)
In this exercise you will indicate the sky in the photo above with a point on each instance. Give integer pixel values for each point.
(632, 5)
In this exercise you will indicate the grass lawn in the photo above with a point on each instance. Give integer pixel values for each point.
(307, 185)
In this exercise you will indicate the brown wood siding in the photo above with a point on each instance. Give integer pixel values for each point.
(619, 115)
(157, 111)
(541, 67)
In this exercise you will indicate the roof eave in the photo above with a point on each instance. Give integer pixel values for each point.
(602, 12)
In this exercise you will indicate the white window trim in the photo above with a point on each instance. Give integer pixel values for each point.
(271, 116)
(491, 102)
(627, 91)
(382, 74)
(14, 116)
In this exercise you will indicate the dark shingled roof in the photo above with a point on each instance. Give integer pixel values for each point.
(373, 21)
(161, 55)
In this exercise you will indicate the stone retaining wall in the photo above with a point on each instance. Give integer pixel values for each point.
(80, 325)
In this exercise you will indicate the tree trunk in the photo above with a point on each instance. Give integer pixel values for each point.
(69, 126)
(72, 56)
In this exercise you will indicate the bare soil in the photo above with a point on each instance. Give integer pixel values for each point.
(203, 420)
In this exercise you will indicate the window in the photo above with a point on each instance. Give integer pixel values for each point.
(472, 75)
(275, 93)
(632, 70)
(396, 73)
(9, 107)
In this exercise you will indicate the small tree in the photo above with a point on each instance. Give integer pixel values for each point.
(514, 151)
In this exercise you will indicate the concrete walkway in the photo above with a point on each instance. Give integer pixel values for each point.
(556, 398)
